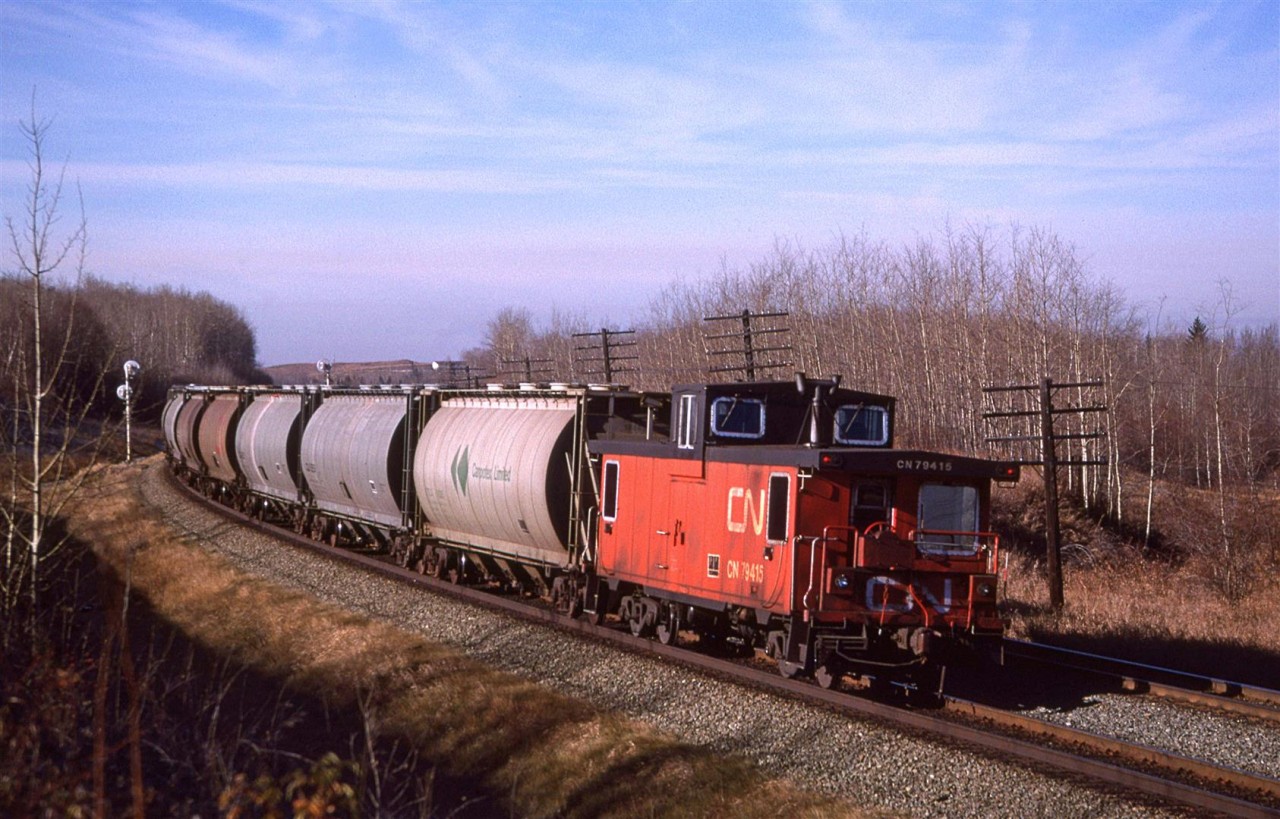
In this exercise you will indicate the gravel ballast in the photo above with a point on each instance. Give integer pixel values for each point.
(864, 762)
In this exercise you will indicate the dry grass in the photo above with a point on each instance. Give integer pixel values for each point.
(1176, 598)
(1154, 612)
(538, 752)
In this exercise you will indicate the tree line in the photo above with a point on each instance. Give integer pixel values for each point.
(1191, 403)
(93, 326)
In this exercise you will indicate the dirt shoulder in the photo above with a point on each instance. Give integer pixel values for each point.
(534, 751)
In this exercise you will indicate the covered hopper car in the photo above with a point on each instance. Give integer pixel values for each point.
(776, 516)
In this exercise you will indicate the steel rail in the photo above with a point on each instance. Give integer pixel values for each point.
(1183, 686)
(1173, 790)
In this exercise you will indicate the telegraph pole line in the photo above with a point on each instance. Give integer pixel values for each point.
(526, 367)
(1048, 438)
(607, 349)
(751, 349)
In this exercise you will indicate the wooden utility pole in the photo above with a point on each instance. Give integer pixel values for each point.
(1048, 438)
(607, 349)
(526, 367)
(750, 350)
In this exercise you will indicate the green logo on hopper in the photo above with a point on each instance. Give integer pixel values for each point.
(458, 471)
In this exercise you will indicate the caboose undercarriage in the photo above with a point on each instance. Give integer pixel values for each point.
(882, 656)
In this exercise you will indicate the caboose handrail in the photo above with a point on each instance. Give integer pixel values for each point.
(827, 536)
(807, 599)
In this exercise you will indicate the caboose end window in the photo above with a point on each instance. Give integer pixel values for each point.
(948, 518)
(862, 425)
(738, 417)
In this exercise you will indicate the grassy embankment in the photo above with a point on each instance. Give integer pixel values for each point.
(1165, 608)
(532, 751)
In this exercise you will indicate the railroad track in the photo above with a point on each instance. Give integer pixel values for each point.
(1153, 773)
(1180, 686)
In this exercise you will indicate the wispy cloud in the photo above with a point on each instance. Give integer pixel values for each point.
(412, 132)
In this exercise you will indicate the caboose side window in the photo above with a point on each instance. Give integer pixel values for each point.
(738, 417)
(687, 432)
(862, 425)
(609, 505)
(948, 518)
(779, 508)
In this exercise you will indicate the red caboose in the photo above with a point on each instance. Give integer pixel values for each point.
(779, 516)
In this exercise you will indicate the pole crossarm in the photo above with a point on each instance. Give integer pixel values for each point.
(750, 350)
(1041, 397)
(738, 316)
(608, 344)
(1064, 410)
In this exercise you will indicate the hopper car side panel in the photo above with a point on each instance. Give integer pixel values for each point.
(188, 447)
(353, 456)
(492, 474)
(169, 421)
(215, 433)
(268, 438)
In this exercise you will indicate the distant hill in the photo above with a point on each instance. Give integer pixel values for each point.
(352, 373)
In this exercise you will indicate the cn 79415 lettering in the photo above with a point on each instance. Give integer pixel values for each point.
(775, 516)
(781, 517)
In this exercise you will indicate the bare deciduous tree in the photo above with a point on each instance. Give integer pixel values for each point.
(47, 403)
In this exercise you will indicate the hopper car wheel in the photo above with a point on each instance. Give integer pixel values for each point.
(437, 563)
(597, 616)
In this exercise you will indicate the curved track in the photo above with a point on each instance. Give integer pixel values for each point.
(1148, 771)
(1181, 686)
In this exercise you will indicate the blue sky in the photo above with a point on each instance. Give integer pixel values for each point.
(372, 180)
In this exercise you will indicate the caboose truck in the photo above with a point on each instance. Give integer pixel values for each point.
(780, 516)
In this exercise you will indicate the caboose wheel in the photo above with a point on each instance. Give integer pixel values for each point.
(639, 628)
(828, 675)
(640, 614)
(668, 628)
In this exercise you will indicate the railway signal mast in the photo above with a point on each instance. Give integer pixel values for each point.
(124, 392)
(1045, 412)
